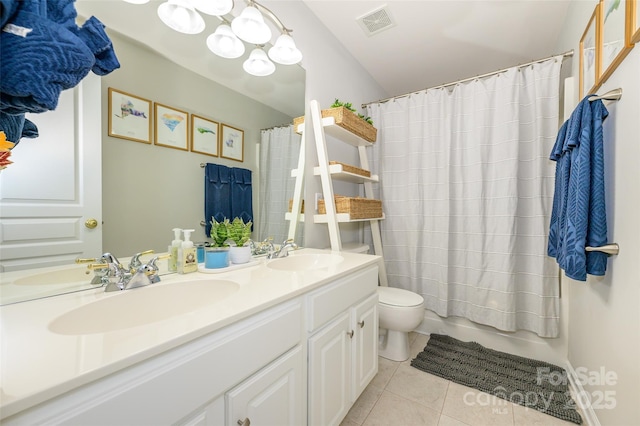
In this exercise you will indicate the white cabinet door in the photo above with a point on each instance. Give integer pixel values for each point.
(273, 396)
(330, 372)
(365, 341)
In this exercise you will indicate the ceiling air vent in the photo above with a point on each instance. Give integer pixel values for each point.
(376, 21)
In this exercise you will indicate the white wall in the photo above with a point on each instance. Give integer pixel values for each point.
(147, 189)
(604, 312)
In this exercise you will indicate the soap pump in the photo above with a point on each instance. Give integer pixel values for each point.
(187, 257)
(173, 250)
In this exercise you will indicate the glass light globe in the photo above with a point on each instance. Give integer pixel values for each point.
(180, 16)
(285, 51)
(258, 64)
(250, 26)
(223, 42)
(213, 7)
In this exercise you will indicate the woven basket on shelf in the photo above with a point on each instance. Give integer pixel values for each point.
(301, 207)
(347, 120)
(358, 208)
(352, 169)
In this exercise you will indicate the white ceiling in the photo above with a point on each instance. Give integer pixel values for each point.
(437, 42)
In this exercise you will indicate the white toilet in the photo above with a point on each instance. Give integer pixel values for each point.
(399, 311)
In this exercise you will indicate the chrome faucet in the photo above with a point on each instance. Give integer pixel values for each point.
(264, 247)
(135, 261)
(145, 275)
(283, 251)
(117, 278)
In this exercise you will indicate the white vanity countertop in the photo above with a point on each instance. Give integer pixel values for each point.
(39, 364)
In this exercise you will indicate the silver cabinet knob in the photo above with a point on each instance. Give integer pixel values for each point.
(245, 422)
(361, 324)
(350, 334)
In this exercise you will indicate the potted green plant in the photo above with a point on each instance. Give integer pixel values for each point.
(239, 233)
(217, 255)
(349, 106)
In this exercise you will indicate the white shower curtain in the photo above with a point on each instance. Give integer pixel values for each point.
(467, 188)
(279, 149)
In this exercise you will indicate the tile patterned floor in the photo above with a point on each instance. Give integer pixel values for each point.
(401, 395)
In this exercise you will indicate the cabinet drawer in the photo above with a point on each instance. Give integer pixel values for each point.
(326, 303)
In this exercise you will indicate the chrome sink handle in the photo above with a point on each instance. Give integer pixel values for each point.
(145, 274)
(135, 262)
(284, 250)
(118, 277)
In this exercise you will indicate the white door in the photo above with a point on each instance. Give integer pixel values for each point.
(270, 397)
(330, 372)
(54, 185)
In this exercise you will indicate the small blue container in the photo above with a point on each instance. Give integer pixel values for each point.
(200, 252)
(216, 257)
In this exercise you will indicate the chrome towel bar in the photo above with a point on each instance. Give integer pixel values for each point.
(609, 249)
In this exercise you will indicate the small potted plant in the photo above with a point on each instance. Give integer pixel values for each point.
(239, 234)
(217, 255)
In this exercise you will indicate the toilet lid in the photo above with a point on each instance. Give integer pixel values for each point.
(398, 297)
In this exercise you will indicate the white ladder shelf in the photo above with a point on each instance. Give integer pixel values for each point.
(327, 172)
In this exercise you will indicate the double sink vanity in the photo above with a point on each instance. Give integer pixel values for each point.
(287, 341)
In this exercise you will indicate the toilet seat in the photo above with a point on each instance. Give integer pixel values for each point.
(398, 297)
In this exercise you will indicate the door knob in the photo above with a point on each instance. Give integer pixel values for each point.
(91, 223)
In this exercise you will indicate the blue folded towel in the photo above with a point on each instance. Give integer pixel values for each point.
(578, 218)
(16, 127)
(44, 52)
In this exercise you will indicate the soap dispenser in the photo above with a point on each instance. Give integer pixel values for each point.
(173, 250)
(187, 257)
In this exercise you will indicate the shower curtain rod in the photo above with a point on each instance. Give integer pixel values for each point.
(277, 127)
(381, 101)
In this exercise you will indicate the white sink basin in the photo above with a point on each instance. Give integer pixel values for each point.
(62, 276)
(140, 306)
(305, 262)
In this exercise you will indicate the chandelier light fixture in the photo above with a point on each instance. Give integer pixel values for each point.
(229, 38)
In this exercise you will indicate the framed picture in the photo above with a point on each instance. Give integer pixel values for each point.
(172, 127)
(590, 55)
(634, 28)
(204, 135)
(615, 37)
(129, 116)
(232, 143)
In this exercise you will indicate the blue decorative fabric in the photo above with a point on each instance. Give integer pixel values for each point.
(16, 127)
(578, 218)
(44, 52)
(217, 192)
(7, 9)
(241, 194)
(227, 194)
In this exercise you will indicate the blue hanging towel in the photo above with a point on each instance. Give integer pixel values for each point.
(227, 194)
(217, 192)
(241, 194)
(578, 218)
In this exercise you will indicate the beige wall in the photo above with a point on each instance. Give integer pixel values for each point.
(147, 189)
(604, 312)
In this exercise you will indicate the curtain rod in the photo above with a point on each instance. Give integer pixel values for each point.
(277, 127)
(381, 101)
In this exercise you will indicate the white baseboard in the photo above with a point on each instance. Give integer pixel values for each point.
(588, 413)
